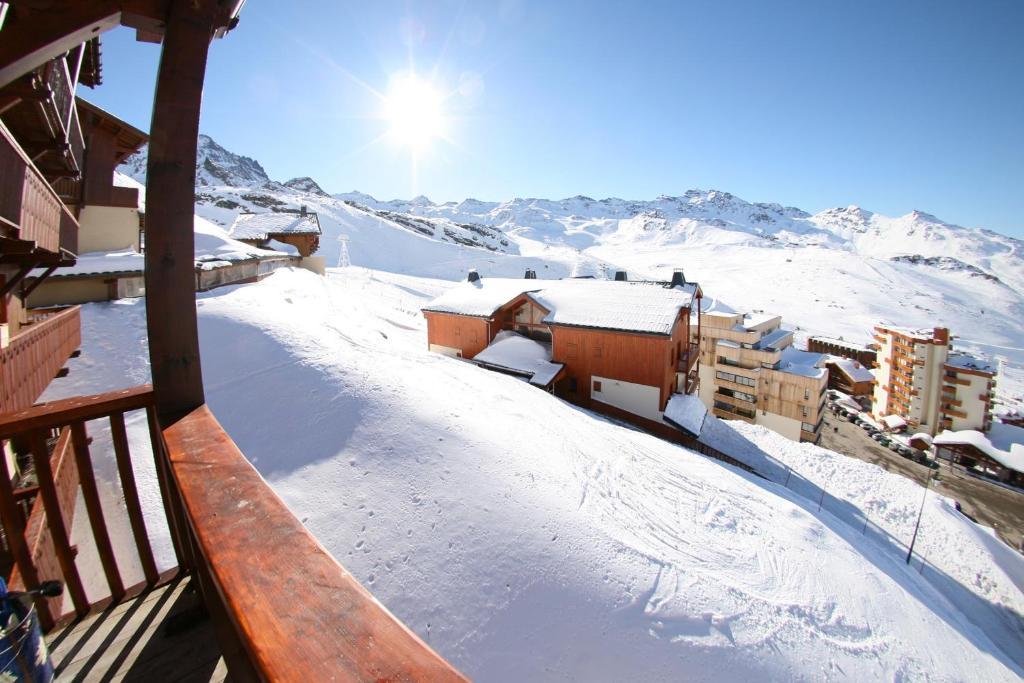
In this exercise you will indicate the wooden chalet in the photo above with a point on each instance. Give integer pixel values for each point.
(299, 229)
(849, 376)
(280, 607)
(999, 453)
(622, 348)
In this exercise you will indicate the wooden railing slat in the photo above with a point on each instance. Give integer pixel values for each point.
(91, 497)
(55, 522)
(14, 528)
(163, 477)
(131, 497)
(65, 411)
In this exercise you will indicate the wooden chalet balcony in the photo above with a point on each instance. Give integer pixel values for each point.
(282, 608)
(48, 113)
(688, 359)
(35, 225)
(35, 355)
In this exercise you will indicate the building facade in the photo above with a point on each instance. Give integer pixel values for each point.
(968, 386)
(750, 371)
(909, 375)
(623, 347)
(921, 380)
(865, 355)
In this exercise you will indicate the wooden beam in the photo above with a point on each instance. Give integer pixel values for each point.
(32, 39)
(170, 240)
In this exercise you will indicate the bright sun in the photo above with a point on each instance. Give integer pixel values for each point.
(413, 108)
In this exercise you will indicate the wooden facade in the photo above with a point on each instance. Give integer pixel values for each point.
(642, 359)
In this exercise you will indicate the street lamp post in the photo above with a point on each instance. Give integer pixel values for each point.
(913, 539)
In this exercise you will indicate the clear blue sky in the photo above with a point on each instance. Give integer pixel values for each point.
(893, 106)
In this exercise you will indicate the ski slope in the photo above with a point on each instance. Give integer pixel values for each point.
(526, 539)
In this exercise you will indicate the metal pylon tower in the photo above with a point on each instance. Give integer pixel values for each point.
(343, 259)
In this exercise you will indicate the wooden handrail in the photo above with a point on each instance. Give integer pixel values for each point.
(78, 409)
(294, 610)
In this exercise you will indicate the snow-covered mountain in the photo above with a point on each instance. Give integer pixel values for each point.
(836, 272)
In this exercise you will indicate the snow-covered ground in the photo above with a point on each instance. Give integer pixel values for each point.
(526, 539)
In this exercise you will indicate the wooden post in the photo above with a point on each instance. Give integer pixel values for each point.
(170, 241)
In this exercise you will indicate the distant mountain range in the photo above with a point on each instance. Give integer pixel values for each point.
(837, 271)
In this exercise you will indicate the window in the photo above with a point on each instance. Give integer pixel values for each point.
(597, 386)
(807, 427)
(803, 410)
(807, 394)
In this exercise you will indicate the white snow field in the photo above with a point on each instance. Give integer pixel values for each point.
(525, 539)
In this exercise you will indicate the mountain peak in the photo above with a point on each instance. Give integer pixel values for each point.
(307, 185)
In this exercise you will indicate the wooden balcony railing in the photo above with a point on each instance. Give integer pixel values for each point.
(283, 608)
(35, 355)
(30, 209)
(688, 359)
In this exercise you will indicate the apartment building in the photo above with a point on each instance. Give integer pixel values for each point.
(968, 385)
(922, 381)
(750, 371)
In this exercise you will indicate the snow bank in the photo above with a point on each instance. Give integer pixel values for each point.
(526, 539)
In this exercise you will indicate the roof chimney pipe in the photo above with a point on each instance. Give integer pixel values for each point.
(678, 279)
(531, 274)
(302, 210)
(473, 276)
(620, 276)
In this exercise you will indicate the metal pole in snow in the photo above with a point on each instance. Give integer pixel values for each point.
(820, 500)
(913, 539)
(789, 472)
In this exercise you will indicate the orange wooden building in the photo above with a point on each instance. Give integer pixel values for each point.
(615, 346)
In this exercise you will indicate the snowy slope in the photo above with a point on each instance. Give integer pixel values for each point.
(528, 540)
(837, 272)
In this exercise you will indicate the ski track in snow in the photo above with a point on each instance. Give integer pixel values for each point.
(526, 539)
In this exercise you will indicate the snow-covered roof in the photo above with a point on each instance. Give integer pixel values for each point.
(259, 226)
(513, 351)
(752, 320)
(773, 340)
(1011, 454)
(925, 334)
(968, 362)
(100, 263)
(605, 304)
(894, 422)
(803, 363)
(482, 297)
(635, 307)
(848, 402)
(852, 369)
(842, 343)
(686, 411)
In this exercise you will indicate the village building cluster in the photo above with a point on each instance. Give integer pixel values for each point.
(657, 353)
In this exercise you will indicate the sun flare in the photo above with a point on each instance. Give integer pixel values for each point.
(414, 109)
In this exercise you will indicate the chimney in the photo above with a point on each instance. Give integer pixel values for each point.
(473, 276)
(531, 274)
(302, 210)
(620, 276)
(678, 279)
